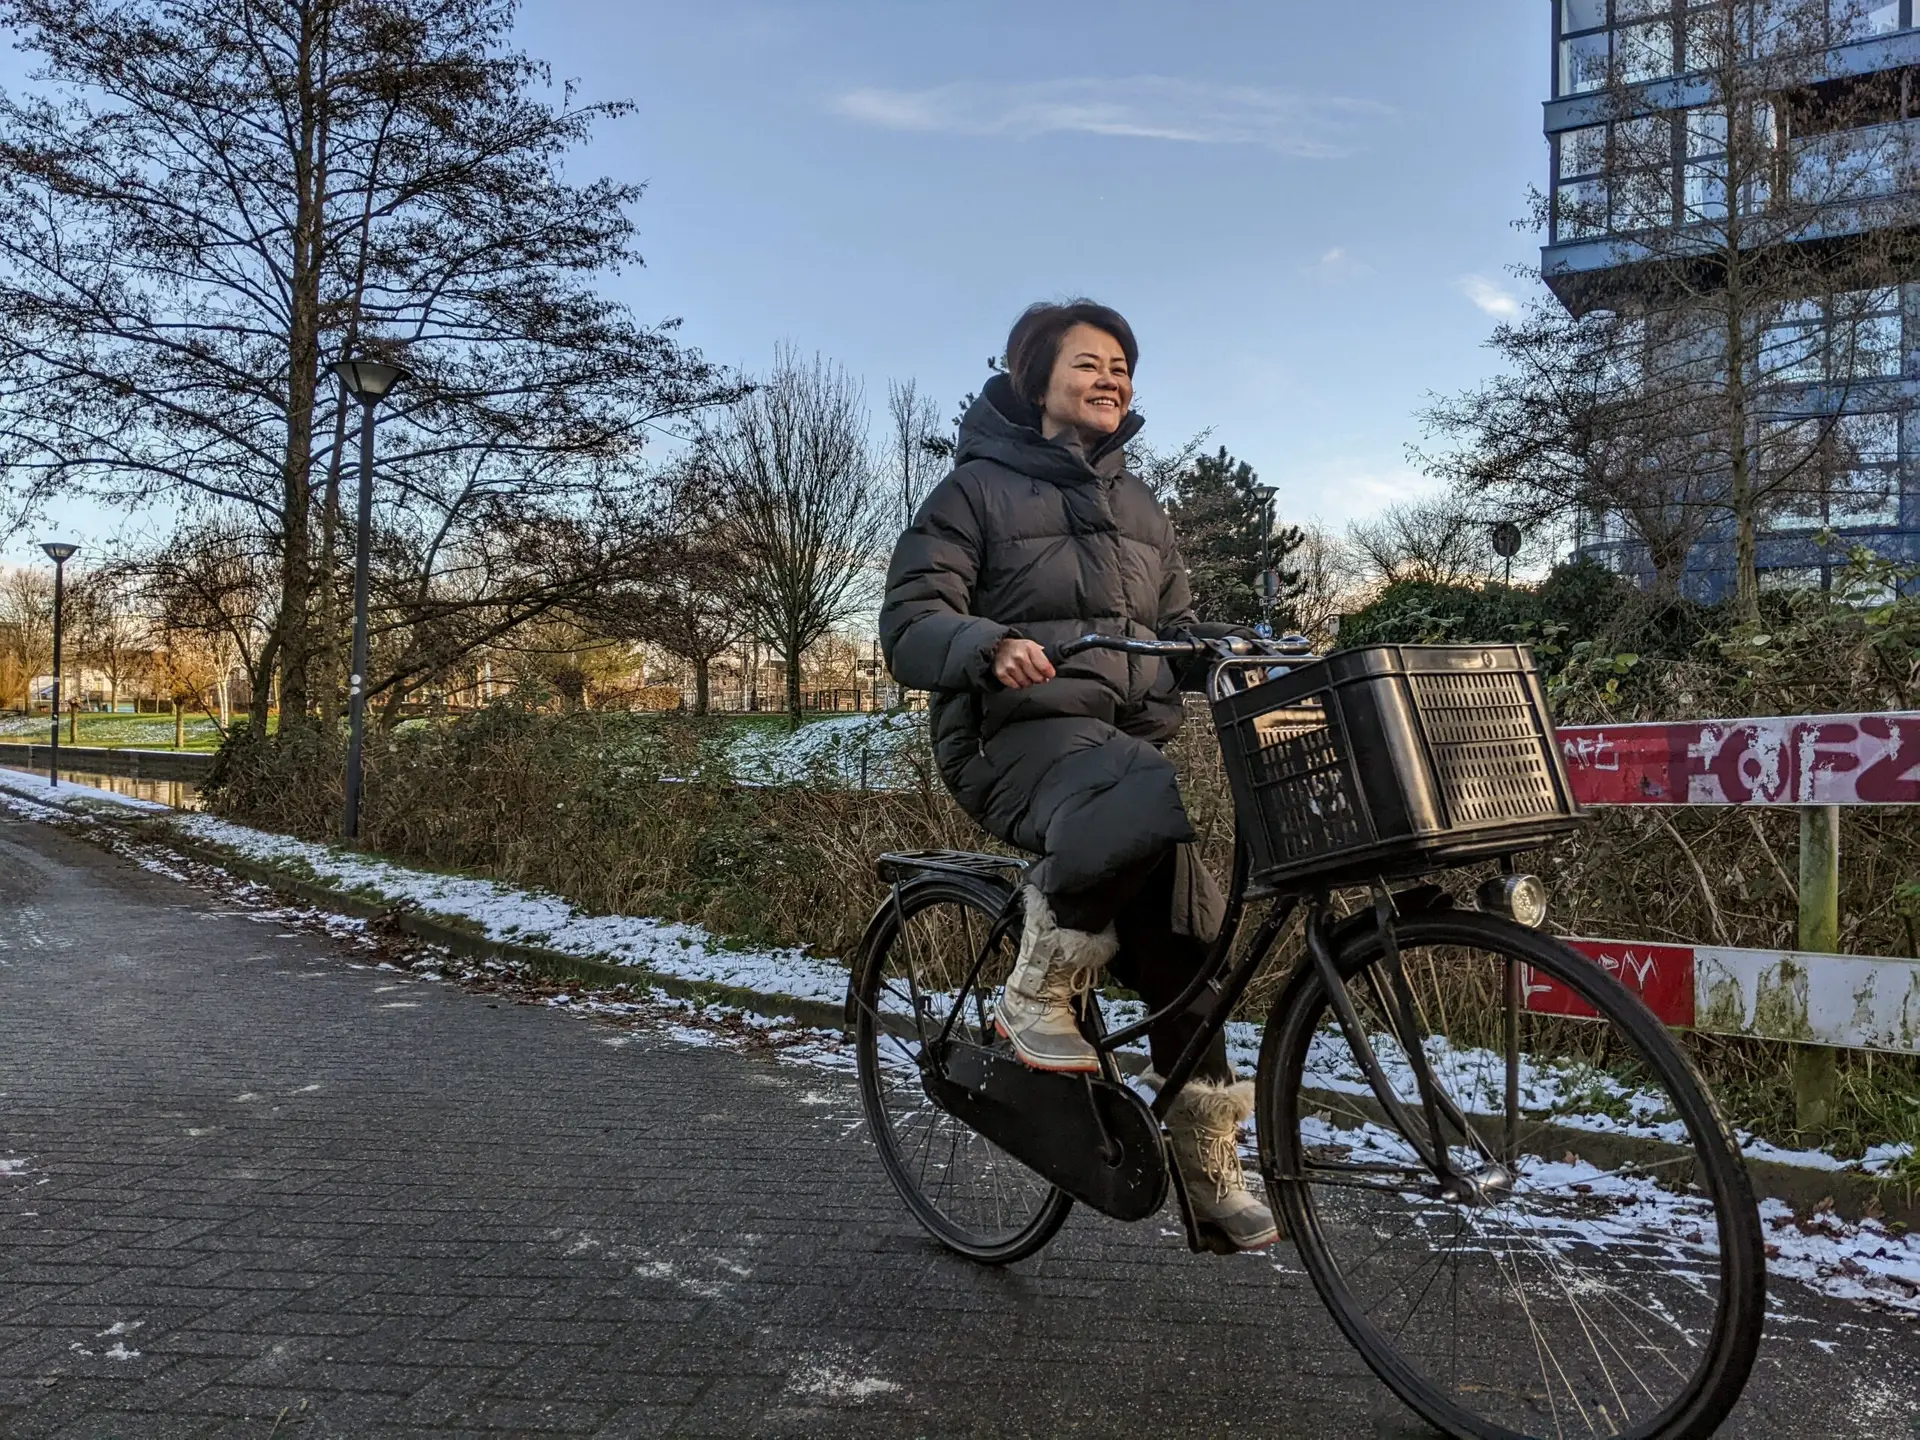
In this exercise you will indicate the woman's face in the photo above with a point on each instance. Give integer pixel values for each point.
(1091, 388)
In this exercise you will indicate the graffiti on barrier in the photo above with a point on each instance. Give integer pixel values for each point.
(1789, 760)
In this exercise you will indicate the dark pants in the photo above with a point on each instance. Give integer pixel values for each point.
(1153, 961)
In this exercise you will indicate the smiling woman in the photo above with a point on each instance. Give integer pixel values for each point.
(1040, 536)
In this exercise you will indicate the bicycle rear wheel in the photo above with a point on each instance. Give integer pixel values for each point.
(973, 1196)
(1599, 1269)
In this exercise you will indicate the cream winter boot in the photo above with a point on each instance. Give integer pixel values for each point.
(1056, 965)
(1204, 1123)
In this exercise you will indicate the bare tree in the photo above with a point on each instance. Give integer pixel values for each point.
(220, 199)
(26, 626)
(209, 591)
(686, 597)
(917, 449)
(1162, 470)
(800, 504)
(1329, 583)
(1732, 367)
(1574, 438)
(110, 636)
(1432, 540)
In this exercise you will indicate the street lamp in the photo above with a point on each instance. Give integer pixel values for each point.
(58, 553)
(367, 381)
(1269, 581)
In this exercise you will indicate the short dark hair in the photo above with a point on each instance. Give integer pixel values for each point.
(1033, 345)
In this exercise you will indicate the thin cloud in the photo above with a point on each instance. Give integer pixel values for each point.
(1489, 295)
(1151, 107)
(1338, 264)
(1344, 489)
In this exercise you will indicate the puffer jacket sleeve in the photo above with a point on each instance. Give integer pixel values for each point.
(928, 633)
(1176, 591)
(1177, 613)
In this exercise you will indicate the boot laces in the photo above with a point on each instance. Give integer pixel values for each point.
(1061, 986)
(1220, 1160)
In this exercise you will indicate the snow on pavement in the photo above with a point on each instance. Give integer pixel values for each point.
(497, 911)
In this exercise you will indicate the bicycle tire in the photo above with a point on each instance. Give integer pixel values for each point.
(911, 933)
(1529, 1245)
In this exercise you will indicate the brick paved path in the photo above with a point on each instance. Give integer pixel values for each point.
(249, 1190)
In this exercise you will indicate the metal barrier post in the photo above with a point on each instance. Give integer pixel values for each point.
(1816, 1076)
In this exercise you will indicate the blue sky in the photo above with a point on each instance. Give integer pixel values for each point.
(1305, 210)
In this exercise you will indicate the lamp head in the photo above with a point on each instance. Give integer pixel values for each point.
(368, 380)
(59, 552)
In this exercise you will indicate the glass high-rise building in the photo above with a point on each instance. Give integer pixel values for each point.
(1639, 139)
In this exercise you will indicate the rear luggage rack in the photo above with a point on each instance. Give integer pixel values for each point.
(905, 864)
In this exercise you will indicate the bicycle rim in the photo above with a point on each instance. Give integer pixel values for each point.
(973, 1196)
(1614, 1284)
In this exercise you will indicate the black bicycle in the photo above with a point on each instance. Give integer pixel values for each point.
(1506, 1181)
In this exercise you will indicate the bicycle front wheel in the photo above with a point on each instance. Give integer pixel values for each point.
(909, 987)
(1594, 1265)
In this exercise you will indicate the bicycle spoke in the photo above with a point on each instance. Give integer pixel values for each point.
(1578, 1299)
(965, 1188)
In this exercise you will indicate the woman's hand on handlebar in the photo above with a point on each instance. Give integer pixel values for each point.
(1019, 663)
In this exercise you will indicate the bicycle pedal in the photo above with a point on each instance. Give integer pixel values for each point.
(1196, 1239)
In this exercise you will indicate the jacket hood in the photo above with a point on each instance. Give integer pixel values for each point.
(1002, 427)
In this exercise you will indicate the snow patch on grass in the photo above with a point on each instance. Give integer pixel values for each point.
(873, 750)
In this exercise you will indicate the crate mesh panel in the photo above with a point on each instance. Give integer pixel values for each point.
(1303, 783)
(1474, 707)
(1486, 749)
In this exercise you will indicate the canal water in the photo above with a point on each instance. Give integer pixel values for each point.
(179, 794)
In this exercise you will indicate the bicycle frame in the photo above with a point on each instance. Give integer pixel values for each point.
(1229, 983)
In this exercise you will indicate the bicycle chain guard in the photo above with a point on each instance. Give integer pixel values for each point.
(1064, 1127)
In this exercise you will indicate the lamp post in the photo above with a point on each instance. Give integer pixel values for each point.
(368, 381)
(59, 554)
(1269, 582)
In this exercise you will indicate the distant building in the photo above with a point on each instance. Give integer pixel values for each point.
(1598, 254)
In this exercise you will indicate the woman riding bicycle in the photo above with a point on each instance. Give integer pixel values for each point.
(1039, 536)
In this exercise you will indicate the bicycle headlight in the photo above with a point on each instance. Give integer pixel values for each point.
(1521, 898)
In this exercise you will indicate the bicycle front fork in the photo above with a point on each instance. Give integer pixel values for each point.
(1387, 979)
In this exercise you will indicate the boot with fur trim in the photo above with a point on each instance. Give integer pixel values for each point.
(1204, 1124)
(1056, 966)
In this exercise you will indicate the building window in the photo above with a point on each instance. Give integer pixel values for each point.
(1583, 63)
(1634, 41)
(1864, 499)
(1837, 340)
(1863, 19)
(1790, 577)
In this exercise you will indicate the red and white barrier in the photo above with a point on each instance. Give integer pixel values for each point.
(1790, 760)
(1807, 761)
(1851, 1001)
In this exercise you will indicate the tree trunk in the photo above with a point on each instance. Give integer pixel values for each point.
(179, 727)
(303, 375)
(1740, 488)
(702, 692)
(329, 616)
(793, 684)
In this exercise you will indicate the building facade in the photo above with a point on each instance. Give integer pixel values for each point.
(1841, 358)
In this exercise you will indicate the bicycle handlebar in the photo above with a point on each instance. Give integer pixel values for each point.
(1288, 647)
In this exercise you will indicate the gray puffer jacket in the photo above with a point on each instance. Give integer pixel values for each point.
(1033, 538)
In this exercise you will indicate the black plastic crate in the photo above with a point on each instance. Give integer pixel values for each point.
(1394, 759)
